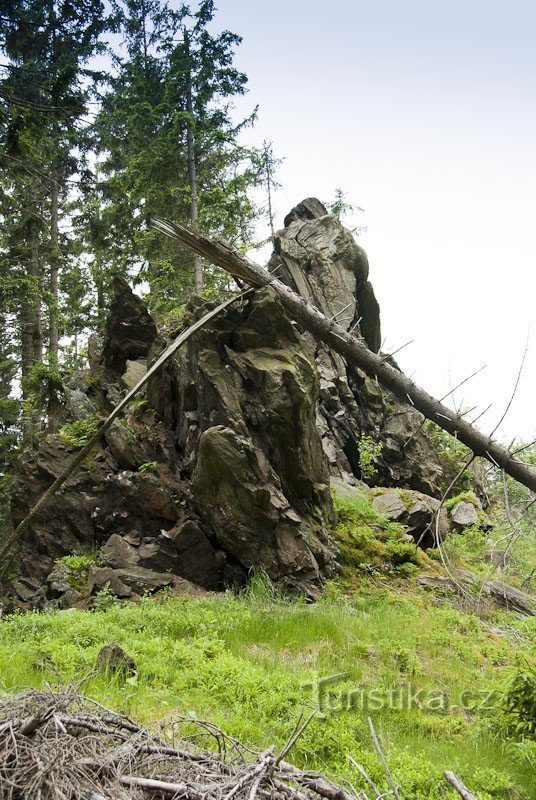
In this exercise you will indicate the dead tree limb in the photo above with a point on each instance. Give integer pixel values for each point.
(460, 787)
(352, 348)
(383, 761)
(82, 454)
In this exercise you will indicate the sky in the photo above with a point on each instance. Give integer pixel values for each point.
(424, 114)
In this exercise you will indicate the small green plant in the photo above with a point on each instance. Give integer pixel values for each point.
(250, 663)
(463, 497)
(105, 599)
(369, 452)
(149, 466)
(78, 433)
(78, 563)
(78, 568)
(519, 703)
(260, 589)
(369, 542)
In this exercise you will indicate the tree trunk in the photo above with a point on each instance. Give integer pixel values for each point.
(53, 350)
(37, 330)
(352, 349)
(31, 340)
(268, 170)
(460, 787)
(98, 277)
(192, 168)
(26, 360)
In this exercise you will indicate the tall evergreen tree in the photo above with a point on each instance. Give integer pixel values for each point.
(169, 143)
(47, 44)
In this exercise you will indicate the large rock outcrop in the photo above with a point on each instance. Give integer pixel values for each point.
(225, 463)
(320, 259)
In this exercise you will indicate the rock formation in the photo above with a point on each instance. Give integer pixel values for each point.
(319, 258)
(225, 464)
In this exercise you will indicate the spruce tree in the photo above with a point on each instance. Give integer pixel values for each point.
(170, 146)
(47, 44)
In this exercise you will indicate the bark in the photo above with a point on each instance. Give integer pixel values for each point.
(101, 300)
(502, 593)
(26, 356)
(37, 331)
(268, 169)
(192, 168)
(353, 349)
(31, 339)
(54, 296)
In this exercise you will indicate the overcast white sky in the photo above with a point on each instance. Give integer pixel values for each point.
(424, 112)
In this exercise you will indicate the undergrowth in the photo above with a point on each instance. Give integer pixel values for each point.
(369, 542)
(445, 689)
(252, 662)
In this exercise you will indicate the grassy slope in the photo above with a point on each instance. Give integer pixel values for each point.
(245, 662)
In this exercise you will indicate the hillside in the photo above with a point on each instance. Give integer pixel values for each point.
(267, 533)
(431, 676)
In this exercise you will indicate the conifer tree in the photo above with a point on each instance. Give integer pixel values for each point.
(169, 143)
(47, 44)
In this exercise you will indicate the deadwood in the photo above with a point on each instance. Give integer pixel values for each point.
(80, 749)
(460, 787)
(352, 348)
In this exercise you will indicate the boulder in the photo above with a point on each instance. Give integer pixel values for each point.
(134, 371)
(71, 598)
(310, 208)
(416, 511)
(464, 515)
(30, 592)
(125, 445)
(130, 329)
(247, 409)
(226, 463)
(58, 580)
(128, 581)
(319, 258)
(113, 659)
(197, 559)
(117, 553)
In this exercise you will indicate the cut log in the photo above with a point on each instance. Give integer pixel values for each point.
(352, 348)
(502, 593)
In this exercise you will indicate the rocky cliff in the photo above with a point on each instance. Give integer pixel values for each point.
(225, 464)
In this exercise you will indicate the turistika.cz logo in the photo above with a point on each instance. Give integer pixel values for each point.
(333, 694)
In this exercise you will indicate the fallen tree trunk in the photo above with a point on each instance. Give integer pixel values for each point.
(352, 348)
(501, 593)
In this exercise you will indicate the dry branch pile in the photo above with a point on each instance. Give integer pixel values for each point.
(62, 747)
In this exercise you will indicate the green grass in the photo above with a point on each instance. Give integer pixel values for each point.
(253, 662)
(244, 662)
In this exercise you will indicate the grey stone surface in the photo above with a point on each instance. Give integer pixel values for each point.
(227, 463)
(463, 515)
(112, 658)
(416, 511)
